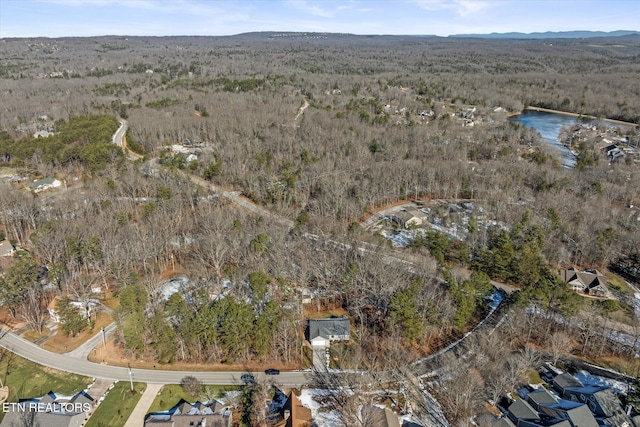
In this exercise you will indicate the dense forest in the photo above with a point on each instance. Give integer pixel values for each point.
(318, 133)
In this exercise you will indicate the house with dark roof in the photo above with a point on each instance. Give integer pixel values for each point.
(50, 410)
(321, 332)
(578, 414)
(603, 402)
(504, 422)
(520, 410)
(551, 423)
(331, 329)
(563, 381)
(185, 414)
(579, 405)
(539, 397)
(589, 282)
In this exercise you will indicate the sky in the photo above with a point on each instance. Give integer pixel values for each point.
(60, 18)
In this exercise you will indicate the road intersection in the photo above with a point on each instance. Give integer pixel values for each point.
(76, 362)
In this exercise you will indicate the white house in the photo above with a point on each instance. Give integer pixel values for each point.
(6, 248)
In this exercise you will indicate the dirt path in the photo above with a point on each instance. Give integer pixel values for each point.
(301, 109)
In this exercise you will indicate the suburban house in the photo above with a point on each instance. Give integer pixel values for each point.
(590, 282)
(540, 397)
(569, 404)
(576, 413)
(84, 307)
(601, 400)
(49, 410)
(185, 414)
(409, 217)
(293, 414)
(520, 410)
(43, 184)
(6, 248)
(565, 381)
(321, 332)
(542, 409)
(330, 329)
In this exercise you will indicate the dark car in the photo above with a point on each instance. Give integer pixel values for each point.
(272, 372)
(247, 378)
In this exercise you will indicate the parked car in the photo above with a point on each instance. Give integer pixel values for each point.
(247, 378)
(272, 371)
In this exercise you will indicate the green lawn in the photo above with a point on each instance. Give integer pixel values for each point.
(117, 406)
(27, 379)
(171, 394)
(617, 283)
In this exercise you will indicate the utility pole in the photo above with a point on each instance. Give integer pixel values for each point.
(104, 338)
(130, 377)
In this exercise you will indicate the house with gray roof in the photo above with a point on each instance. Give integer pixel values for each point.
(564, 381)
(578, 414)
(50, 410)
(331, 329)
(590, 282)
(321, 332)
(185, 414)
(521, 410)
(539, 397)
(409, 217)
(503, 422)
(603, 402)
(552, 423)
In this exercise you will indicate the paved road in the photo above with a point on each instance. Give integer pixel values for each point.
(119, 135)
(68, 363)
(82, 352)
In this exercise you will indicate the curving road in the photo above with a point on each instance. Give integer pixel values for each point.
(81, 366)
(119, 135)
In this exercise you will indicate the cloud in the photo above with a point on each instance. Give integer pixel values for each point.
(468, 7)
(312, 9)
(460, 7)
(165, 6)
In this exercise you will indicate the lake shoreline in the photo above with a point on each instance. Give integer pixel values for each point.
(566, 113)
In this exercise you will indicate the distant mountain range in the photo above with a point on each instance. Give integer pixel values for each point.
(551, 35)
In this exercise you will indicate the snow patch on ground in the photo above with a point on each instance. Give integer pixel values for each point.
(586, 378)
(321, 416)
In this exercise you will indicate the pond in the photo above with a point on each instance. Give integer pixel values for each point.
(549, 126)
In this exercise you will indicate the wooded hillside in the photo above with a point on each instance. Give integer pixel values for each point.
(320, 132)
